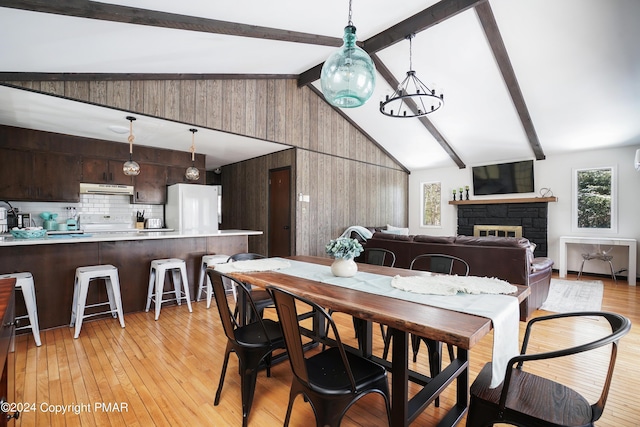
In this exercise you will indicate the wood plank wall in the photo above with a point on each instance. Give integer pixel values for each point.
(349, 179)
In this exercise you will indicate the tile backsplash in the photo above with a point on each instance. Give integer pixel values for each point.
(90, 204)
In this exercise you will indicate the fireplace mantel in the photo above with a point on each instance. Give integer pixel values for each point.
(498, 201)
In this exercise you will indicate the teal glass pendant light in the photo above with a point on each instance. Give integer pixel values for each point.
(348, 76)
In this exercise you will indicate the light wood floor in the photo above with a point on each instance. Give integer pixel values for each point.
(166, 372)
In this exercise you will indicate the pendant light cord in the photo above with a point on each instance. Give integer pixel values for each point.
(131, 137)
(350, 23)
(193, 144)
(410, 37)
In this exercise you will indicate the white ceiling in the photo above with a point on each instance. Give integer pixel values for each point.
(577, 63)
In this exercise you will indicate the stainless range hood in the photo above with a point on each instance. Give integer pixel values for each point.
(86, 188)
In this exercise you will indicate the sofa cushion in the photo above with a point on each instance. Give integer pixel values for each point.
(389, 236)
(425, 238)
(396, 230)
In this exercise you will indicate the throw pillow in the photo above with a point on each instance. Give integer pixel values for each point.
(396, 230)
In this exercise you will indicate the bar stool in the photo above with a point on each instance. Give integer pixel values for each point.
(208, 260)
(178, 270)
(24, 282)
(84, 277)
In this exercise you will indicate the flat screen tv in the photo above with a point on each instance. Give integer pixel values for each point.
(503, 178)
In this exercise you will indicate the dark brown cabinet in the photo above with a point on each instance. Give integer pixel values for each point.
(104, 171)
(15, 174)
(151, 185)
(39, 176)
(56, 177)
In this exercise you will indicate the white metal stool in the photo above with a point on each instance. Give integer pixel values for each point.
(208, 260)
(84, 277)
(159, 268)
(24, 282)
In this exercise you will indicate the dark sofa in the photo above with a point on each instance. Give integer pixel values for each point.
(506, 258)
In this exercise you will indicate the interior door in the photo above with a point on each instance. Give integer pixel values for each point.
(279, 212)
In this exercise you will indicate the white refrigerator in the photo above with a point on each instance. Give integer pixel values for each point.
(192, 208)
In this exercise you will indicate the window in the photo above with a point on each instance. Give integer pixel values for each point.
(431, 204)
(594, 200)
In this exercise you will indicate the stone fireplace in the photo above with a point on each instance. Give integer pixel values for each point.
(531, 216)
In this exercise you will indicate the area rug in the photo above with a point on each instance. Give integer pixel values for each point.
(573, 295)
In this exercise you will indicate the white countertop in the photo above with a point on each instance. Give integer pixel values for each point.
(9, 240)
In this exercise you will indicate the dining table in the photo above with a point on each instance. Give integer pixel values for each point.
(403, 317)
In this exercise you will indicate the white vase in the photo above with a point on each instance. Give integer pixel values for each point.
(343, 267)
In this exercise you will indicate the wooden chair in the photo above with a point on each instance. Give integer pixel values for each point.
(253, 343)
(332, 380)
(525, 399)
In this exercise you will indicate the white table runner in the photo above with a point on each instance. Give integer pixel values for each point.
(503, 310)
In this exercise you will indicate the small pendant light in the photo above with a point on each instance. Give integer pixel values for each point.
(131, 168)
(192, 173)
(348, 76)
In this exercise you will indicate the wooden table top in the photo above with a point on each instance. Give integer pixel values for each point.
(460, 329)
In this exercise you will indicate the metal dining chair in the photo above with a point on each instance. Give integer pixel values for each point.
(435, 263)
(332, 380)
(253, 342)
(261, 298)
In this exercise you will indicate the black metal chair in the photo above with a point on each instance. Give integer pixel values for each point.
(253, 343)
(331, 380)
(526, 399)
(379, 256)
(435, 263)
(440, 263)
(261, 298)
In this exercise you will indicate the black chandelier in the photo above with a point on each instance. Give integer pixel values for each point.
(412, 98)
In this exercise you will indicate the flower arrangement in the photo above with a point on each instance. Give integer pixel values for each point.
(344, 247)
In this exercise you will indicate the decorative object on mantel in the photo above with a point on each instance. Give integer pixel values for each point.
(454, 194)
(348, 76)
(344, 250)
(131, 168)
(192, 173)
(504, 201)
(460, 193)
(423, 100)
(466, 189)
(546, 192)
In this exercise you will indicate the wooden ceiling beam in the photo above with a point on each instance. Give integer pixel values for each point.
(494, 38)
(153, 18)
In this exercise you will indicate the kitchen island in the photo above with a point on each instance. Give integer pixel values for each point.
(53, 261)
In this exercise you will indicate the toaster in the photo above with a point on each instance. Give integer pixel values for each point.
(153, 223)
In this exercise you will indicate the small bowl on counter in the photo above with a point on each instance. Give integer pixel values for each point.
(28, 233)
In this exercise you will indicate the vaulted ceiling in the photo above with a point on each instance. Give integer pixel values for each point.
(521, 79)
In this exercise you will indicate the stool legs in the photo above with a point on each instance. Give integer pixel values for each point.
(30, 303)
(157, 274)
(84, 277)
(26, 284)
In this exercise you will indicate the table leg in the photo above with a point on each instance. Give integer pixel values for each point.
(399, 378)
(562, 269)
